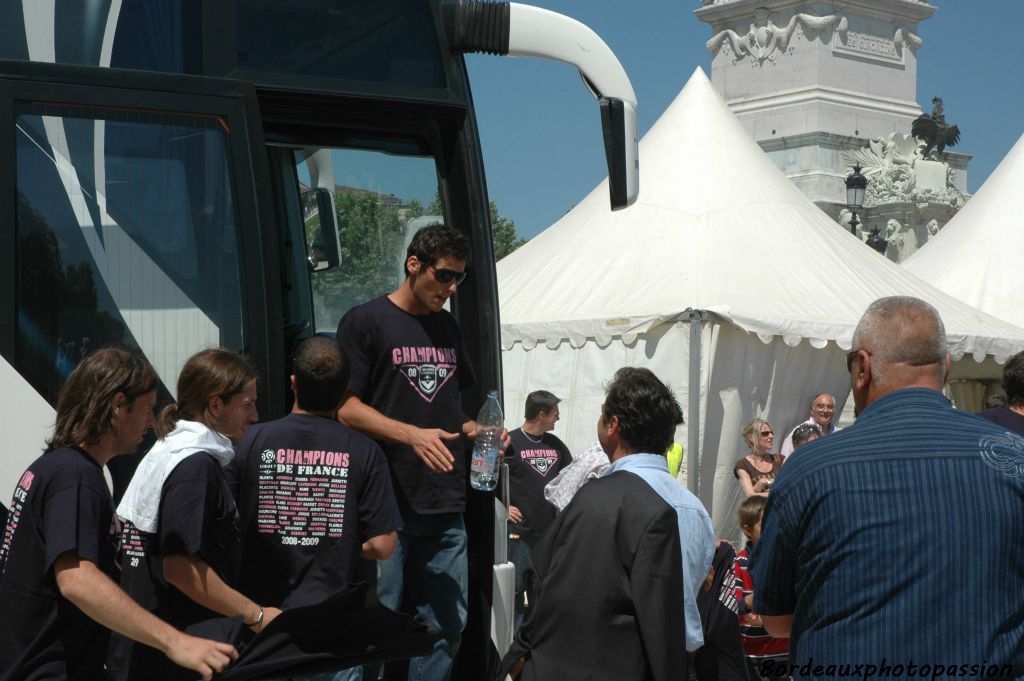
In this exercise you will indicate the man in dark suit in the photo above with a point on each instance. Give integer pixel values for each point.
(609, 576)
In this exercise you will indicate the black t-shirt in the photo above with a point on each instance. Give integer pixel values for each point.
(310, 492)
(531, 466)
(1005, 417)
(197, 515)
(61, 504)
(411, 368)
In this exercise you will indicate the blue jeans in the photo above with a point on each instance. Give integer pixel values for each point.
(519, 556)
(428, 576)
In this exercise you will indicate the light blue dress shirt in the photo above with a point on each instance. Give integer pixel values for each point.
(696, 537)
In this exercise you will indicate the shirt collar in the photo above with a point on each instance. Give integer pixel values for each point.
(638, 461)
(904, 396)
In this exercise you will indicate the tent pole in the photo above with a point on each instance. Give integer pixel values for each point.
(695, 317)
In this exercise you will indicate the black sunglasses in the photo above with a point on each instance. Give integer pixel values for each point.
(445, 276)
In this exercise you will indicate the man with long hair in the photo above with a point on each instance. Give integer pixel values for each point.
(58, 553)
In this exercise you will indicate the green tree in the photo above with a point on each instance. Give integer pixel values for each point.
(503, 234)
(371, 232)
(503, 229)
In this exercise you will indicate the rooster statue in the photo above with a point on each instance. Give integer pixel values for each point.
(933, 131)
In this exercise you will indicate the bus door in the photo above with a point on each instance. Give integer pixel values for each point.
(132, 214)
(387, 170)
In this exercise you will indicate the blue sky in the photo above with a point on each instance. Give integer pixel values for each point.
(540, 128)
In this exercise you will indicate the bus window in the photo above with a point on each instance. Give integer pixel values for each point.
(384, 41)
(380, 199)
(126, 234)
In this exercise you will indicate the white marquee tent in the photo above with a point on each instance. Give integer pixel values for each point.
(976, 257)
(723, 279)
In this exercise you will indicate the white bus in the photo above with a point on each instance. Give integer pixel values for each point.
(180, 174)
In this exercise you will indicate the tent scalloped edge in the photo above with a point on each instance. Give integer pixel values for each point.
(604, 340)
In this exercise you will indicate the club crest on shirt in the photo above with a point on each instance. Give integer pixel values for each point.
(540, 460)
(426, 368)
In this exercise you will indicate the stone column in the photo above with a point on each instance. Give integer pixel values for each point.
(814, 80)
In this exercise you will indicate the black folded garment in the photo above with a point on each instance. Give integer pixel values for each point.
(349, 629)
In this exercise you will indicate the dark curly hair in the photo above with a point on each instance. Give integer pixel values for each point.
(437, 241)
(1013, 379)
(647, 409)
(321, 374)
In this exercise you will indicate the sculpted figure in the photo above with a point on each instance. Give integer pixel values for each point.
(933, 131)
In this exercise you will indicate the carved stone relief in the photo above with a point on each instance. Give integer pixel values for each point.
(897, 173)
(764, 40)
(902, 240)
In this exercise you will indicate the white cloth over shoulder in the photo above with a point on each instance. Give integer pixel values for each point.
(586, 467)
(141, 502)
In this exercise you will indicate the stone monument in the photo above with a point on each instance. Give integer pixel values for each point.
(824, 84)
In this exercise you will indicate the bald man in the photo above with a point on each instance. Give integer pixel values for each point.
(823, 414)
(896, 544)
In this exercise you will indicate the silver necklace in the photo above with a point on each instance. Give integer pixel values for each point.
(530, 437)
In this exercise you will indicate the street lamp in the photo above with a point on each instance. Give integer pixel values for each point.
(855, 186)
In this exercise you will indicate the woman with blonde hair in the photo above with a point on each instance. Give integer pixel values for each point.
(757, 470)
(181, 539)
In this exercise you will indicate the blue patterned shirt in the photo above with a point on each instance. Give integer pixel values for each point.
(898, 541)
(696, 537)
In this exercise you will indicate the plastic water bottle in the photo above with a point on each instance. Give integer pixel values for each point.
(483, 470)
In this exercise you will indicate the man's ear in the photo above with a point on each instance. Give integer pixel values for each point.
(214, 405)
(413, 264)
(860, 383)
(862, 376)
(119, 402)
(612, 425)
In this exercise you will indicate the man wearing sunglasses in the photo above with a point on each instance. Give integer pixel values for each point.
(408, 368)
(893, 545)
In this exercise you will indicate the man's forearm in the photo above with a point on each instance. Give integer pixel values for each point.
(191, 575)
(95, 594)
(360, 416)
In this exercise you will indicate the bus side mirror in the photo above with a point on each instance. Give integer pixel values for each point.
(517, 30)
(323, 251)
(618, 125)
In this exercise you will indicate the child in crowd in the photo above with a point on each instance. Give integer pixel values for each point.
(804, 433)
(758, 646)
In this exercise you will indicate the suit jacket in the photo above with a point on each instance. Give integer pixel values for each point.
(607, 590)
